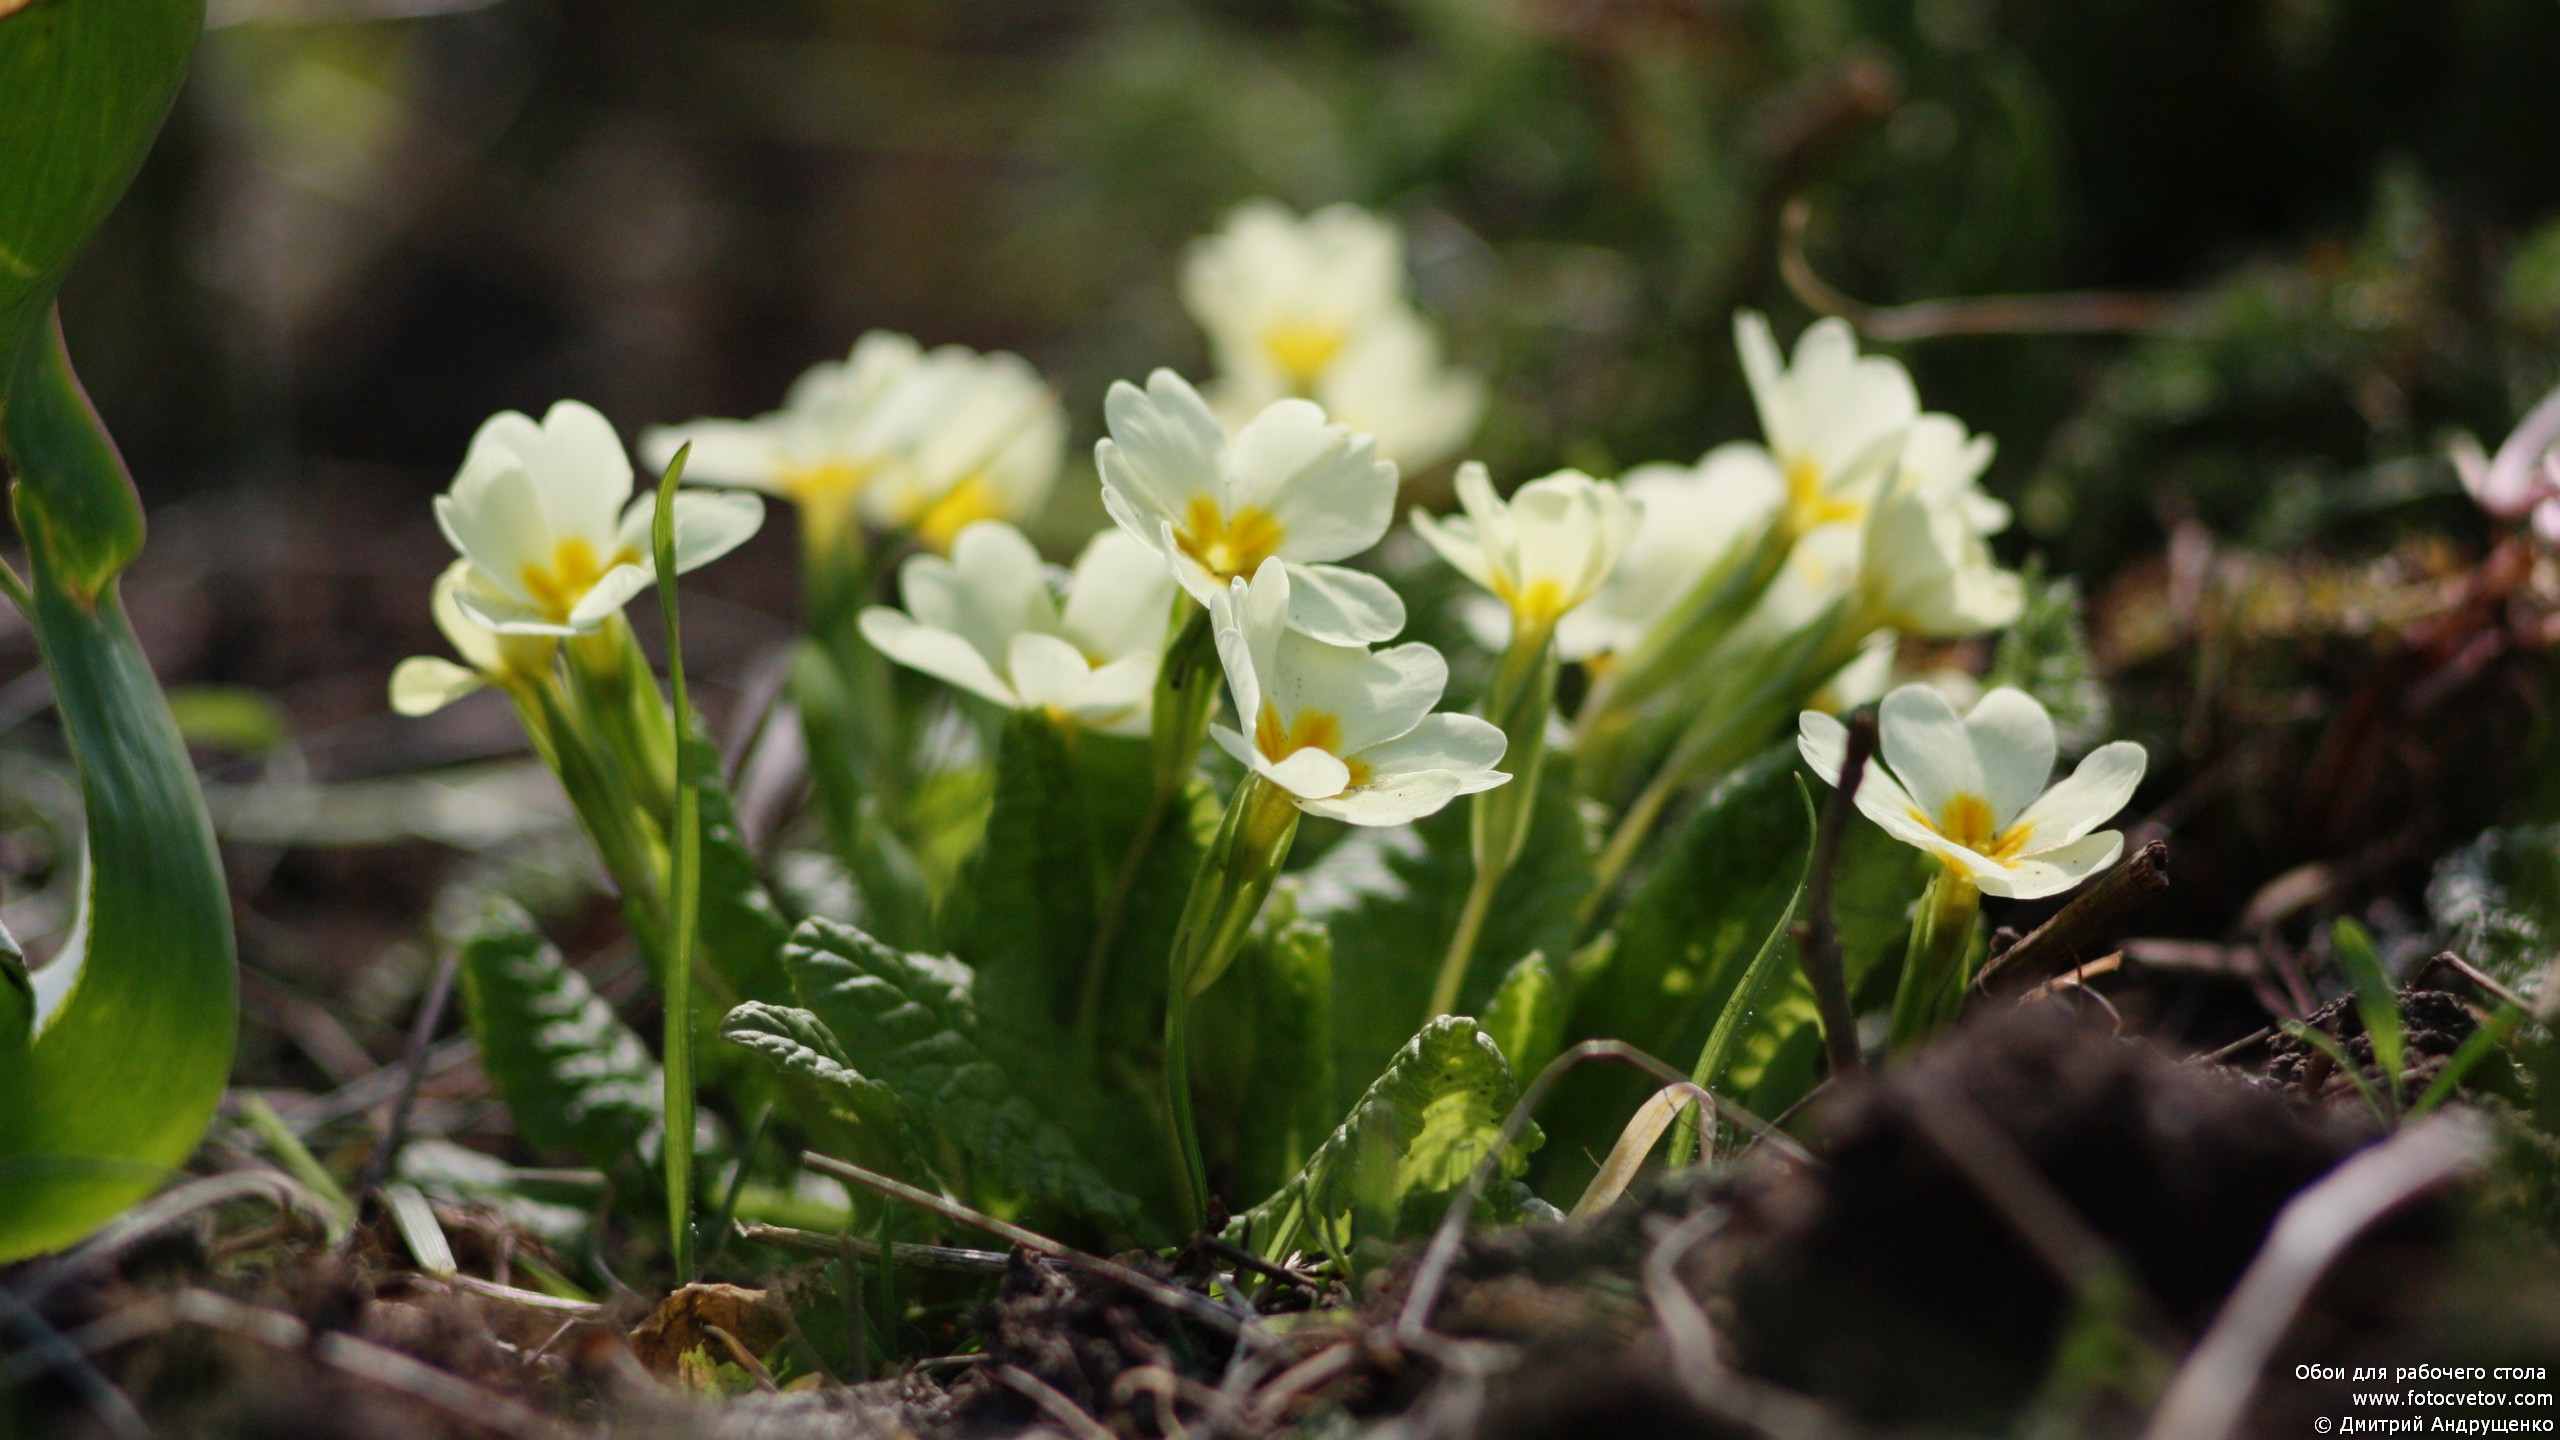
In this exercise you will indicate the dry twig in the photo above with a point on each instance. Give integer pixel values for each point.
(1173, 1297)
(1818, 933)
(2050, 946)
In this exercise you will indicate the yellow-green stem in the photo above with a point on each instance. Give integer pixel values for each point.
(1462, 942)
(1226, 893)
(684, 886)
(1934, 968)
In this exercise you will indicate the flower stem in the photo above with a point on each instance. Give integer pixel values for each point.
(1934, 967)
(1462, 942)
(1226, 893)
(1498, 820)
(684, 886)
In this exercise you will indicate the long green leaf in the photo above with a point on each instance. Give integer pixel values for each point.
(113, 1057)
(573, 1075)
(910, 1021)
(1389, 1170)
(1526, 1017)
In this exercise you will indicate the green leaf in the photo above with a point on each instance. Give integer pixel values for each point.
(1024, 907)
(800, 1047)
(1390, 1169)
(1390, 898)
(2496, 901)
(1526, 1017)
(1719, 880)
(1262, 1070)
(1746, 1013)
(910, 1022)
(573, 1075)
(2046, 653)
(113, 1057)
(2377, 1002)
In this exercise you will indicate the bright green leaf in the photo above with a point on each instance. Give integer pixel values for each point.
(910, 1022)
(1390, 898)
(1389, 1170)
(1526, 1017)
(573, 1075)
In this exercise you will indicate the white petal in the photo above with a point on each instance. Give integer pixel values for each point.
(2091, 796)
(583, 473)
(709, 524)
(1308, 774)
(2013, 744)
(468, 637)
(1120, 596)
(1455, 540)
(938, 653)
(495, 519)
(1325, 486)
(1398, 801)
(725, 452)
(1925, 742)
(1047, 670)
(491, 609)
(612, 590)
(1345, 607)
(424, 684)
(2051, 872)
(1823, 742)
(1458, 743)
(1765, 373)
(1236, 652)
(1165, 446)
(1374, 697)
(1118, 698)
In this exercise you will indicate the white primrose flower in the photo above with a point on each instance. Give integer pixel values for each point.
(557, 545)
(1290, 486)
(1315, 307)
(1834, 419)
(1923, 567)
(986, 620)
(1971, 790)
(1347, 732)
(1546, 550)
(1693, 517)
(917, 440)
(424, 684)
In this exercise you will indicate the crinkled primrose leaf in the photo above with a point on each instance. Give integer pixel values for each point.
(911, 1022)
(574, 1076)
(1389, 1169)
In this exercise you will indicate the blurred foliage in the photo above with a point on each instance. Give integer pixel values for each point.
(367, 233)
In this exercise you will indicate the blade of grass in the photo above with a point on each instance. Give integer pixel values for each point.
(2327, 1044)
(2377, 1003)
(298, 1160)
(2491, 1034)
(684, 892)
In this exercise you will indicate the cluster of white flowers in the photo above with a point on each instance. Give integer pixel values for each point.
(1247, 498)
(911, 440)
(1315, 307)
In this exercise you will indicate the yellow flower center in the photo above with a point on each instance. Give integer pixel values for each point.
(1967, 821)
(963, 505)
(1227, 545)
(827, 484)
(1302, 350)
(1307, 729)
(1807, 503)
(573, 571)
(1536, 607)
